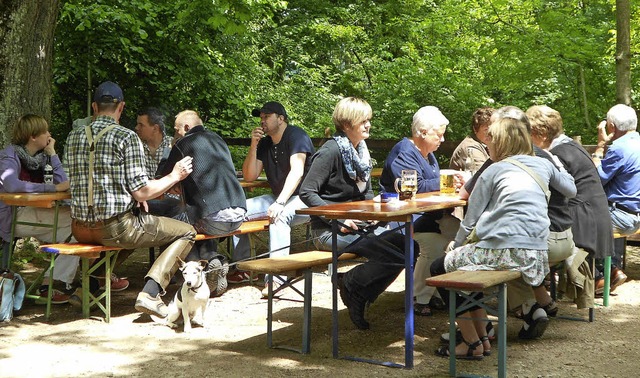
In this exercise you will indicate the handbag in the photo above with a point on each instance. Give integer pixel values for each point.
(472, 237)
(12, 291)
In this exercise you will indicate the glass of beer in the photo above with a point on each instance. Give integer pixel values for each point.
(407, 184)
(447, 182)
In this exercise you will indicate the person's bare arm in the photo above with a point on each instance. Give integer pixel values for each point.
(252, 167)
(294, 177)
(155, 188)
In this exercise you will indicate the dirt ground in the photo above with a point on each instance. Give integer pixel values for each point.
(233, 341)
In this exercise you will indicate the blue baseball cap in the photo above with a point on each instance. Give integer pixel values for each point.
(108, 92)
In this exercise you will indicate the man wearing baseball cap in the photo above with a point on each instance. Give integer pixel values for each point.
(283, 151)
(109, 186)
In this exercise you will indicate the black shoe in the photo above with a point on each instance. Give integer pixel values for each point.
(536, 327)
(354, 303)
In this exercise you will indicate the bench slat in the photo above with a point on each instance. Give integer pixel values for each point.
(473, 280)
(247, 227)
(292, 263)
(77, 249)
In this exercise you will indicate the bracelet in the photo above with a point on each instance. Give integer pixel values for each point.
(598, 156)
(281, 203)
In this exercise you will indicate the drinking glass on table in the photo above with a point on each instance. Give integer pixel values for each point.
(407, 184)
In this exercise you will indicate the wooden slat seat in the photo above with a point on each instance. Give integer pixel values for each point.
(87, 252)
(296, 267)
(247, 227)
(292, 264)
(473, 281)
(462, 281)
(617, 235)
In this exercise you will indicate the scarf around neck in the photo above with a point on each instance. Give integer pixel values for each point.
(32, 163)
(356, 162)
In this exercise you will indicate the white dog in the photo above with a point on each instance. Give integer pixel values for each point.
(191, 300)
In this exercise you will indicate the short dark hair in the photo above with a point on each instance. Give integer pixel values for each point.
(480, 117)
(156, 117)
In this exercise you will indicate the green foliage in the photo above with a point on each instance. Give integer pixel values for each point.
(223, 58)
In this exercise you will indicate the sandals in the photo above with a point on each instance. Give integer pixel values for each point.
(421, 309)
(551, 309)
(535, 327)
(443, 351)
(486, 352)
(491, 334)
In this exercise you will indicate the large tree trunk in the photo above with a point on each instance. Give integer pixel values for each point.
(623, 52)
(26, 57)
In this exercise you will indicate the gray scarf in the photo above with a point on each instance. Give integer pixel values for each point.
(31, 163)
(357, 163)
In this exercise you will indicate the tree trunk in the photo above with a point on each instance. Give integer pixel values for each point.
(26, 58)
(623, 52)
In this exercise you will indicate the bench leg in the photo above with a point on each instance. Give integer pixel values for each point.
(88, 299)
(270, 311)
(306, 325)
(452, 333)
(607, 281)
(502, 330)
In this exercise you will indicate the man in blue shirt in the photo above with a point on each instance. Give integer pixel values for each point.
(619, 171)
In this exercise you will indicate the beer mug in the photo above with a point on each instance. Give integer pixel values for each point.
(407, 184)
(447, 182)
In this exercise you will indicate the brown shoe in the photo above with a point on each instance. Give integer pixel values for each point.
(599, 287)
(617, 278)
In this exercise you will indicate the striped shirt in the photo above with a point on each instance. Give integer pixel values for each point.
(152, 160)
(119, 169)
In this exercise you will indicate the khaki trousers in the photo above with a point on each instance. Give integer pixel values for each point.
(142, 230)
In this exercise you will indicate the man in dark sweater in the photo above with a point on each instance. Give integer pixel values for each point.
(211, 198)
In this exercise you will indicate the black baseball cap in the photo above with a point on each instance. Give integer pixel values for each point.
(270, 107)
(108, 92)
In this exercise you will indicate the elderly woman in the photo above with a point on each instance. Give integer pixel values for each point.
(22, 169)
(589, 210)
(433, 230)
(340, 172)
(508, 211)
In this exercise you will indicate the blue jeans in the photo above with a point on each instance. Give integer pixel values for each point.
(279, 231)
(624, 224)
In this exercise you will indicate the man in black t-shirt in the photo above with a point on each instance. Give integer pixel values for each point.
(283, 152)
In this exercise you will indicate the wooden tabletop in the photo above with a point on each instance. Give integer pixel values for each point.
(45, 200)
(392, 211)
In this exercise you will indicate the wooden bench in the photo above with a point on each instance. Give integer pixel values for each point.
(87, 252)
(248, 227)
(474, 281)
(296, 267)
(617, 235)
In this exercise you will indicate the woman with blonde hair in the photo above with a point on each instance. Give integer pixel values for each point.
(508, 213)
(341, 172)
